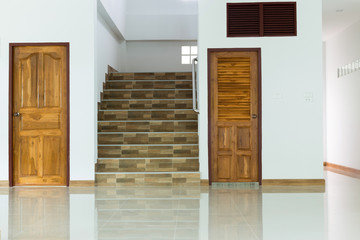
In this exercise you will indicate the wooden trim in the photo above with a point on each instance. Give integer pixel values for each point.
(10, 116)
(293, 182)
(111, 69)
(347, 171)
(258, 50)
(11, 46)
(4, 183)
(204, 182)
(293, 189)
(82, 183)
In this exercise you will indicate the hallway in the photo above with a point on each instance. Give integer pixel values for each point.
(219, 212)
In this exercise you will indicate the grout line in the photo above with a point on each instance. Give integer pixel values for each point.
(142, 110)
(150, 80)
(147, 99)
(144, 173)
(146, 121)
(151, 145)
(146, 132)
(147, 90)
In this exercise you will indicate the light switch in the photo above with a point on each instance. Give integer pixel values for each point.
(308, 97)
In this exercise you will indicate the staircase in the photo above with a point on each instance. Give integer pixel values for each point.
(147, 131)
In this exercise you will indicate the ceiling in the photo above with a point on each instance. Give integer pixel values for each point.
(338, 15)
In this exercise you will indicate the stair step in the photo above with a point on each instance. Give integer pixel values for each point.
(148, 126)
(147, 104)
(148, 138)
(150, 179)
(146, 151)
(147, 94)
(149, 84)
(151, 76)
(148, 165)
(148, 115)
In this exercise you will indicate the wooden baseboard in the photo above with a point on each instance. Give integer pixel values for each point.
(293, 182)
(347, 171)
(204, 182)
(82, 183)
(4, 183)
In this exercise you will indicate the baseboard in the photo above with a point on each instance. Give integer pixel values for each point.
(204, 182)
(111, 69)
(4, 183)
(347, 171)
(293, 182)
(82, 183)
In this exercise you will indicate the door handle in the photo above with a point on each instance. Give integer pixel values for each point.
(17, 114)
(254, 116)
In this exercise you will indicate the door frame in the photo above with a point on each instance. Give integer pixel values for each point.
(11, 47)
(258, 51)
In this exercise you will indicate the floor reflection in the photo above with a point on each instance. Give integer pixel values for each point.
(224, 212)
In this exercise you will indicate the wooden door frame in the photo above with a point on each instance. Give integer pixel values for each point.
(11, 48)
(258, 51)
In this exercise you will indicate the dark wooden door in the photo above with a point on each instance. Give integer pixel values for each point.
(234, 111)
(39, 75)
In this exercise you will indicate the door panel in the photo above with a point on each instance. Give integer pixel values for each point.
(233, 116)
(40, 132)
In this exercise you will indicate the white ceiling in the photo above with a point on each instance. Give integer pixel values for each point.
(335, 22)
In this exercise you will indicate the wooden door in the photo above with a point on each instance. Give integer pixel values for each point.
(234, 116)
(40, 115)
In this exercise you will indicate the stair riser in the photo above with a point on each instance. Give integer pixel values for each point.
(146, 138)
(147, 115)
(147, 151)
(150, 104)
(164, 94)
(173, 179)
(153, 126)
(148, 165)
(151, 76)
(149, 85)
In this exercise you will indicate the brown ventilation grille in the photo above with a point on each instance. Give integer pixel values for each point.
(279, 19)
(261, 19)
(243, 20)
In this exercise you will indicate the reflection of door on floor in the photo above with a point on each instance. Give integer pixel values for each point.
(234, 115)
(40, 115)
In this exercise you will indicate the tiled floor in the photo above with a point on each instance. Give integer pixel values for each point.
(218, 213)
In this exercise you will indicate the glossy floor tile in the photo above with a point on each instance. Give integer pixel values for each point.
(220, 212)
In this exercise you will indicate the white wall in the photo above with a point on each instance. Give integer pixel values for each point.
(117, 12)
(161, 20)
(55, 21)
(342, 99)
(111, 50)
(156, 56)
(291, 66)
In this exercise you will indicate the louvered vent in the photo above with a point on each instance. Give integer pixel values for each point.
(279, 19)
(243, 20)
(261, 19)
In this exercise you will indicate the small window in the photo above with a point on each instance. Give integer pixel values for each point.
(188, 53)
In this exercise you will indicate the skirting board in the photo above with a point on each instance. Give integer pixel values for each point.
(82, 183)
(204, 182)
(347, 171)
(293, 182)
(4, 183)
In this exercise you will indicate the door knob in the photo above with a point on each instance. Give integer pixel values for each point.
(254, 116)
(17, 114)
